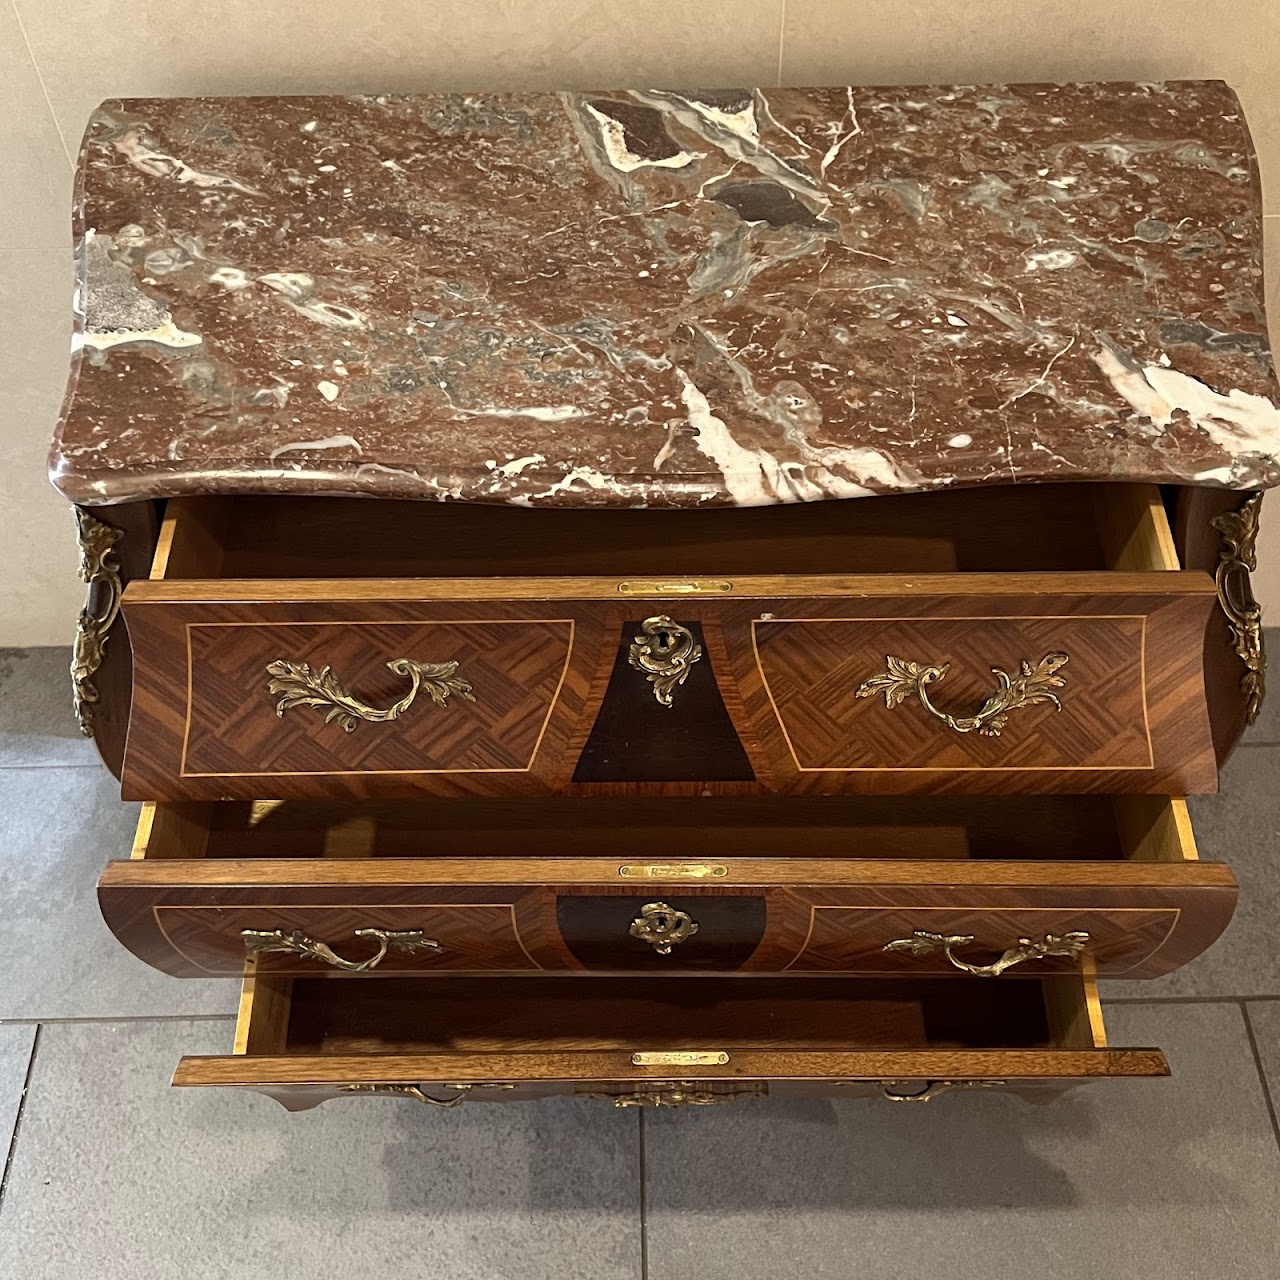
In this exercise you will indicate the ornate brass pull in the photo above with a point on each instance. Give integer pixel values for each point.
(664, 652)
(406, 1091)
(100, 569)
(1032, 684)
(258, 941)
(924, 943)
(933, 1088)
(683, 1093)
(1236, 560)
(299, 686)
(662, 927)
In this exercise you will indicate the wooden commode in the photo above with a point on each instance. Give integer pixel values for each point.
(669, 596)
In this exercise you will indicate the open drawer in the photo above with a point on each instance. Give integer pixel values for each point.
(983, 886)
(660, 1041)
(1057, 649)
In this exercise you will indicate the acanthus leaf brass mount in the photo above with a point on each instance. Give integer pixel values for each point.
(924, 943)
(297, 685)
(664, 651)
(1238, 558)
(662, 926)
(413, 1091)
(683, 1093)
(297, 943)
(1032, 684)
(100, 570)
(898, 1090)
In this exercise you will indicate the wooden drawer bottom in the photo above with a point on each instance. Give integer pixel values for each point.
(663, 1042)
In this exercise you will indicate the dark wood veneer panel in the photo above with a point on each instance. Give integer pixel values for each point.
(595, 928)
(636, 739)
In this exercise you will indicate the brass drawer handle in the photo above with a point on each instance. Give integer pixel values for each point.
(682, 1093)
(665, 651)
(662, 927)
(406, 1091)
(1032, 684)
(892, 1091)
(258, 941)
(299, 686)
(924, 943)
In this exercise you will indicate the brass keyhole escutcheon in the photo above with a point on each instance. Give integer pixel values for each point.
(665, 651)
(662, 927)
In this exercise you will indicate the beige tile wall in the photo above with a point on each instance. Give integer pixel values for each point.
(59, 57)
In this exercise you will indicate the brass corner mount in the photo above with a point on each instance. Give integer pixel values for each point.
(100, 570)
(1237, 558)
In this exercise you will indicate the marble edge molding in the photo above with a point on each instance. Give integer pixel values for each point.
(763, 444)
(636, 489)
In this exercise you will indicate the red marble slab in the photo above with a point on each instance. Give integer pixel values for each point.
(669, 299)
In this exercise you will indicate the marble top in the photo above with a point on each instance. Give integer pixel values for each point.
(668, 298)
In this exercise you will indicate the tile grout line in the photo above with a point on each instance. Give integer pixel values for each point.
(133, 1017)
(28, 768)
(1262, 1071)
(1115, 1000)
(17, 1120)
(44, 88)
(644, 1205)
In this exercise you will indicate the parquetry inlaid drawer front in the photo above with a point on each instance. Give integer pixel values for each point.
(488, 715)
(963, 684)
(887, 693)
(1100, 690)
(312, 938)
(871, 939)
(870, 684)
(243, 699)
(587, 915)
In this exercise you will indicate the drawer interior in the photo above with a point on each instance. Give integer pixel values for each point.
(302, 1041)
(1042, 527)
(315, 1017)
(980, 828)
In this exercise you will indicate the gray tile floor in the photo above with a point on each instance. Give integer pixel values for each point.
(112, 1174)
